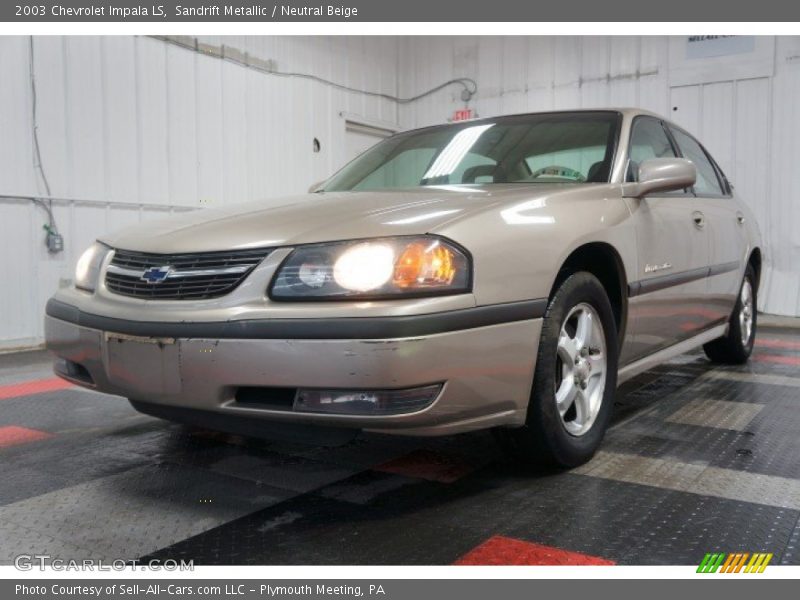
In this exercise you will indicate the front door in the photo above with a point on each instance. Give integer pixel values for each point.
(669, 289)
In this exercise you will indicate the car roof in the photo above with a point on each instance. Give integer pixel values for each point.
(626, 112)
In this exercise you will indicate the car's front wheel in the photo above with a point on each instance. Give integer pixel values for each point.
(575, 378)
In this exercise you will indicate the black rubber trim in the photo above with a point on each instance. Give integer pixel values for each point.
(654, 284)
(723, 268)
(249, 425)
(362, 328)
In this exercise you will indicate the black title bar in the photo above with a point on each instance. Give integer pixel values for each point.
(49, 11)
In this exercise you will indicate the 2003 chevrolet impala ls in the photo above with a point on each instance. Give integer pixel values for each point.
(506, 273)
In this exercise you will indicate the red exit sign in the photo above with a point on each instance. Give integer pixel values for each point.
(463, 114)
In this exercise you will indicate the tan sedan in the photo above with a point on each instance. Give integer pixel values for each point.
(506, 273)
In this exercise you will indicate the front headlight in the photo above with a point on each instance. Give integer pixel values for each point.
(373, 269)
(87, 271)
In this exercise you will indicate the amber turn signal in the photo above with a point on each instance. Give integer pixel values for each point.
(424, 263)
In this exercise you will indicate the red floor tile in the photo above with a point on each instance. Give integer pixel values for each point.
(499, 550)
(778, 359)
(776, 343)
(38, 386)
(13, 436)
(430, 465)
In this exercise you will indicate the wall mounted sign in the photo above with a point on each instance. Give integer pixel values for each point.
(709, 46)
(697, 59)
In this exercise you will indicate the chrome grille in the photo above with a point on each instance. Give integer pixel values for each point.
(195, 276)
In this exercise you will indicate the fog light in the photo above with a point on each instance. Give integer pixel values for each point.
(366, 402)
(72, 370)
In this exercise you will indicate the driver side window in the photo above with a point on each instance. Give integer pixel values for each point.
(648, 140)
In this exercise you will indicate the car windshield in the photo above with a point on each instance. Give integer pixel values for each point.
(540, 148)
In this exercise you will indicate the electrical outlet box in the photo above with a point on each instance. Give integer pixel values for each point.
(55, 242)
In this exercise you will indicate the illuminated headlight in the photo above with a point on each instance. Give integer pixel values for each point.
(87, 271)
(373, 269)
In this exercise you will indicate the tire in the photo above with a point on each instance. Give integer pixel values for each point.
(550, 438)
(737, 345)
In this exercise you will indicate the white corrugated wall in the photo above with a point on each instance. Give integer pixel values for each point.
(131, 128)
(750, 123)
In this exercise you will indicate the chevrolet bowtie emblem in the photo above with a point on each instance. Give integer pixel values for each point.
(156, 274)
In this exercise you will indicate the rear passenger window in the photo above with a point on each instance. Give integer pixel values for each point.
(648, 140)
(707, 181)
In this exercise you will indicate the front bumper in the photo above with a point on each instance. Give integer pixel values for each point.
(487, 369)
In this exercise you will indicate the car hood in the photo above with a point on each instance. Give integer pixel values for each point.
(322, 217)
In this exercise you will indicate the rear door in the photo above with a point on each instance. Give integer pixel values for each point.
(724, 224)
(673, 257)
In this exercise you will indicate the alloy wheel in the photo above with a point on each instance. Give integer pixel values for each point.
(581, 366)
(746, 312)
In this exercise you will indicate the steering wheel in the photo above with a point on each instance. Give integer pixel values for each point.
(558, 172)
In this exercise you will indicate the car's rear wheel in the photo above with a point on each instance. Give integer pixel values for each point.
(575, 378)
(737, 345)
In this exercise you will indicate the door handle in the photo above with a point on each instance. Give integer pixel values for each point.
(740, 218)
(699, 219)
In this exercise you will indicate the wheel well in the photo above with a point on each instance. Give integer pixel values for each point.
(602, 261)
(755, 261)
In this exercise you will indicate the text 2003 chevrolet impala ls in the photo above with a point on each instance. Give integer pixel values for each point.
(503, 273)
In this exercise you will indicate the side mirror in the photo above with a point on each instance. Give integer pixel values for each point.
(316, 185)
(662, 175)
